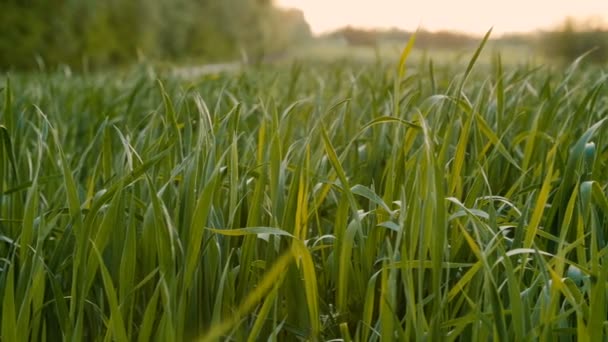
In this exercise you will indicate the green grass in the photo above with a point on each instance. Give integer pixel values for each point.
(329, 50)
(351, 201)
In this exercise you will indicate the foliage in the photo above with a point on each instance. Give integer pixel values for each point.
(343, 201)
(354, 36)
(574, 39)
(103, 33)
(425, 39)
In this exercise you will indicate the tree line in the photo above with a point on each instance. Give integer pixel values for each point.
(424, 39)
(113, 32)
(566, 42)
(575, 38)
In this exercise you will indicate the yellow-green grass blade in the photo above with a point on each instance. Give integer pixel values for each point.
(307, 267)
(116, 322)
(263, 313)
(541, 201)
(9, 309)
(266, 283)
(147, 327)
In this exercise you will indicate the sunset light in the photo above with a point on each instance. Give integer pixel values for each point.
(471, 16)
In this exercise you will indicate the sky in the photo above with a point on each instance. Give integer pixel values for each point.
(469, 16)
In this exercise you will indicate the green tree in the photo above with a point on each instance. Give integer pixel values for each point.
(111, 32)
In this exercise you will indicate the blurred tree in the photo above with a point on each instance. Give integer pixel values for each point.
(294, 28)
(109, 32)
(359, 37)
(280, 30)
(424, 39)
(575, 38)
(23, 31)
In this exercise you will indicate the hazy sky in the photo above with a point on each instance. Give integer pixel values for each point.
(472, 16)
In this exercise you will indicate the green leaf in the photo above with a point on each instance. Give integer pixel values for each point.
(9, 313)
(366, 192)
(259, 231)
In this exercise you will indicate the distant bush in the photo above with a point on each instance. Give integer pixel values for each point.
(574, 39)
(424, 39)
(357, 37)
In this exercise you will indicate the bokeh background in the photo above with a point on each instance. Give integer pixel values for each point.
(85, 34)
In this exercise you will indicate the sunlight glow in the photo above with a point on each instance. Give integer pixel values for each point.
(470, 16)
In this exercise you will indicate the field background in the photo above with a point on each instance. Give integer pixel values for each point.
(320, 190)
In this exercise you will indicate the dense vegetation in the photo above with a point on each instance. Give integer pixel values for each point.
(424, 39)
(575, 38)
(95, 35)
(85, 34)
(565, 43)
(312, 202)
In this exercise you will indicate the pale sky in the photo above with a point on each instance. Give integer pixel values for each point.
(470, 16)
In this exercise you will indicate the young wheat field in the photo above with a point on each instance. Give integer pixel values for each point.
(341, 201)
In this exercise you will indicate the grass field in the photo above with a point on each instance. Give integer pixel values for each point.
(329, 50)
(348, 201)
